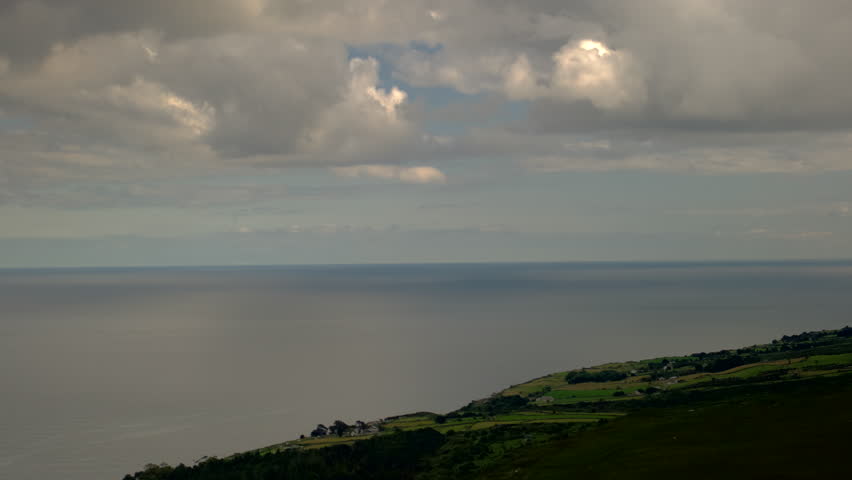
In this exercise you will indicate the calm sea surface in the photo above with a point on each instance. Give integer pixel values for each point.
(102, 371)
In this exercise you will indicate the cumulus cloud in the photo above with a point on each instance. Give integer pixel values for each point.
(584, 70)
(103, 89)
(724, 62)
(92, 97)
(469, 74)
(30, 29)
(591, 71)
(394, 172)
(142, 97)
(256, 98)
(721, 65)
(367, 122)
(269, 91)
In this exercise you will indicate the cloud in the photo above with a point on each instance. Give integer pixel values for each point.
(721, 65)
(366, 124)
(583, 70)
(699, 152)
(30, 29)
(108, 90)
(145, 98)
(591, 71)
(420, 175)
(724, 63)
(100, 108)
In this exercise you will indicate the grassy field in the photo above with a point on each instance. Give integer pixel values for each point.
(565, 393)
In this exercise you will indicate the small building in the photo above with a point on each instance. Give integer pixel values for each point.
(545, 399)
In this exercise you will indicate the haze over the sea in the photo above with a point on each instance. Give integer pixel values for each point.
(105, 370)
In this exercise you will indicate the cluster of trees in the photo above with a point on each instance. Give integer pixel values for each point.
(384, 457)
(649, 390)
(585, 376)
(727, 363)
(718, 361)
(339, 428)
(495, 405)
(726, 359)
(801, 341)
(463, 413)
(704, 362)
(814, 336)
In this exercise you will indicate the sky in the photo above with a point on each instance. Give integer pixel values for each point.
(225, 132)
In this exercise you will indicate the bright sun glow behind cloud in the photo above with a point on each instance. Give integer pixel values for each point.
(590, 45)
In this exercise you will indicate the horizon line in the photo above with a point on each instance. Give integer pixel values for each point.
(704, 262)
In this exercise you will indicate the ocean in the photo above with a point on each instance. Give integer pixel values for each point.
(105, 370)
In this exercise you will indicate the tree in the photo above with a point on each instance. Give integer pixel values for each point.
(338, 428)
(320, 431)
(584, 376)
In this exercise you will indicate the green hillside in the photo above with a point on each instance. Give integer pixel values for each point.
(779, 410)
(787, 430)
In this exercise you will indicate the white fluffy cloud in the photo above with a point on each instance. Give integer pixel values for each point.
(583, 70)
(591, 71)
(394, 172)
(367, 123)
(73, 93)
